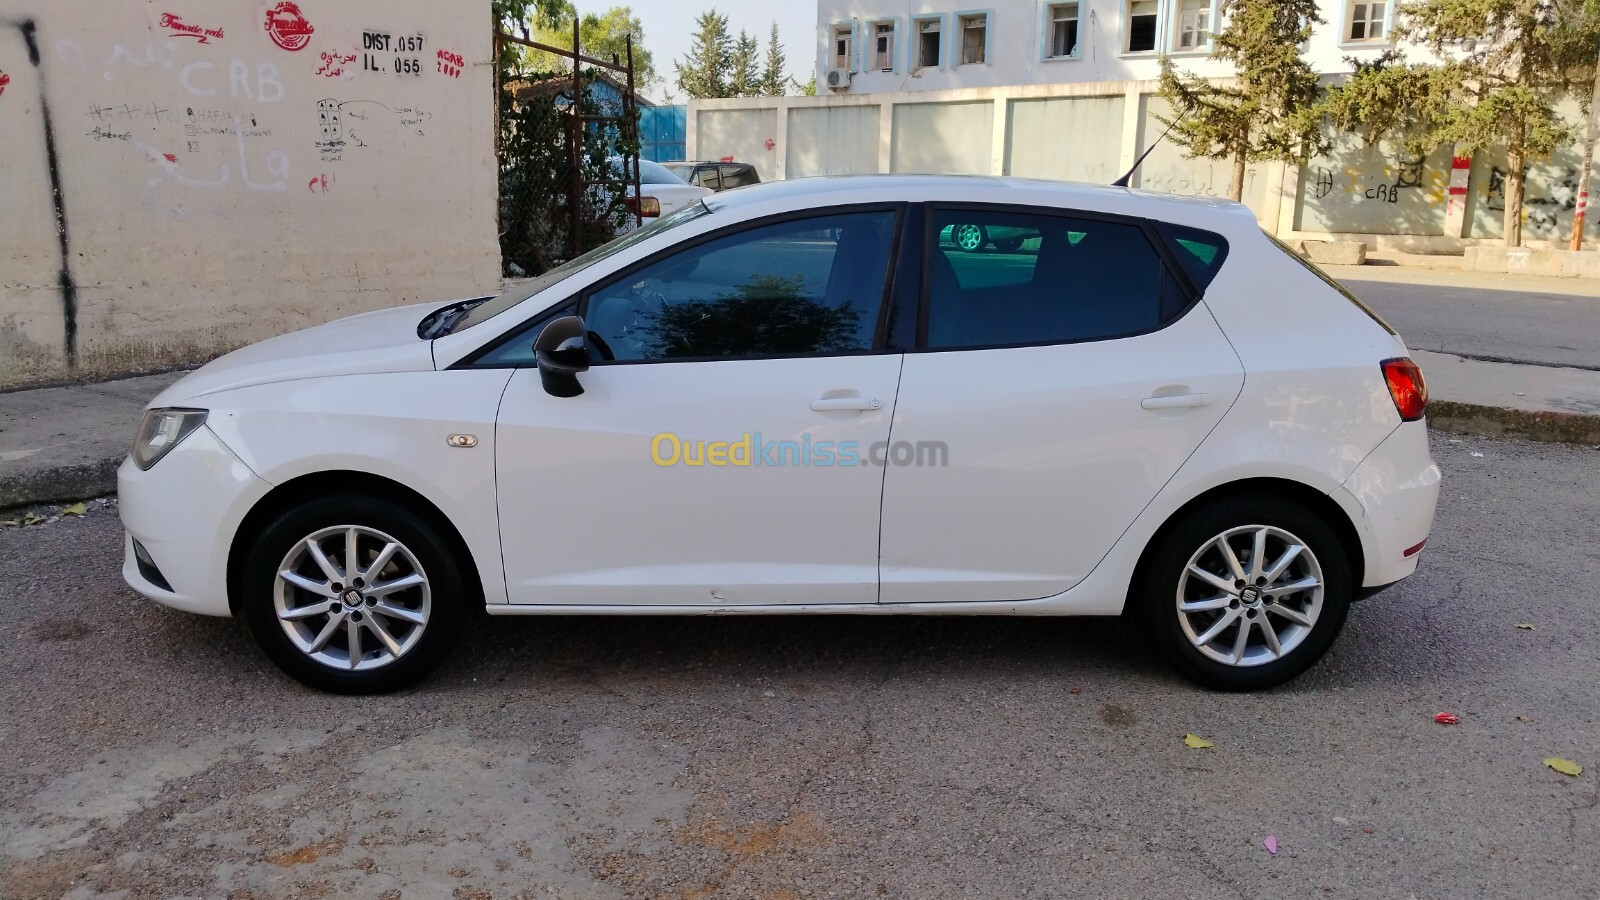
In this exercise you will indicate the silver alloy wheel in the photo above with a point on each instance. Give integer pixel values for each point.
(969, 237)
(1250, 595)
(352, 597)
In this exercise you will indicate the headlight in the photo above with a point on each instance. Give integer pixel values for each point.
(161, 430)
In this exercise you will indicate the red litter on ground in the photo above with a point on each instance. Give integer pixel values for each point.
(1271, 843)
(1447, 719)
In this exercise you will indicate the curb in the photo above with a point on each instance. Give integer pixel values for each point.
(68, 483)
(1497, 421)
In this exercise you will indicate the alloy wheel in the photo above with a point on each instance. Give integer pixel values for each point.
(969, 237)
(1250, 595)
(352, 597)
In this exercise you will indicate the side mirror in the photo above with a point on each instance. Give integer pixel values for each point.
(562, 351)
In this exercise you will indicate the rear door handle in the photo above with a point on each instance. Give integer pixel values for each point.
(1181, 401)
(831, 404)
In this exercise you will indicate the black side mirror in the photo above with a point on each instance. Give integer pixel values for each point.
(562, 351)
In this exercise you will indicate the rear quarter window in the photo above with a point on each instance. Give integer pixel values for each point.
(1200, 253)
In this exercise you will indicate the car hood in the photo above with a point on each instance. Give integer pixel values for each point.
(384, 340)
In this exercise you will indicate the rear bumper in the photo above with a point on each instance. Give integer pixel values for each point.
(1391, 499)
(185, 510)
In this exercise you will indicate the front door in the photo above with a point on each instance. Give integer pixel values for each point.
(714, 457)
(1065, 377)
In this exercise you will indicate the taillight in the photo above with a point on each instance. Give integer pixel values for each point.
(1406, 386)
(649, 207)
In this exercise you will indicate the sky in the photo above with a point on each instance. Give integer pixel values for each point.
(669, 29)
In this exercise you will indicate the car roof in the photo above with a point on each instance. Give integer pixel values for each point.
(829, 190)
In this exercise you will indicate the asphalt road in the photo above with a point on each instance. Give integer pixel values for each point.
(1492, 317)
(157, 754)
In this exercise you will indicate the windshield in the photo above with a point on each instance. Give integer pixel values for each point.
(486, 311)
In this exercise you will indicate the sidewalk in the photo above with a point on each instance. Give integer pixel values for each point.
(65, 443)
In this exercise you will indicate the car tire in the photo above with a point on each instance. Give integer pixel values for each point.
(414, 601)
(969, 238)
(1192, 607)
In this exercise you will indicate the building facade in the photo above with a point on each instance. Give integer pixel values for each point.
(869, 46)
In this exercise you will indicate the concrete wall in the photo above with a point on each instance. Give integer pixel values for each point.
(178, 179)
(1093, 132)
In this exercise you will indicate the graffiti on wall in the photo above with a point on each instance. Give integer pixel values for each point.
(1542, 212)
(288, 27)
(177, 27)
(386, 52)
(1405, 174)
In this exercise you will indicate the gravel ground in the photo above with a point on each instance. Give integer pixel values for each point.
(149, 753)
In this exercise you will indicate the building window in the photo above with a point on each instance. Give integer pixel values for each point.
(841, 49)
(1144, 21)
(1366, 21)
(974, 38)
(883, 46)
(927, 44)
(1063, 30)
(1194, 25)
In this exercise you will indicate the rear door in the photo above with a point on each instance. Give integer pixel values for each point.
(1056, 387)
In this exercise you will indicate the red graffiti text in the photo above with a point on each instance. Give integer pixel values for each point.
(287, 27)
(450, 63)
(4, 80)
(333, 64)
(180, 28)
(320, 184)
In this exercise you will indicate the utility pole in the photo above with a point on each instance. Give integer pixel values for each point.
(1588, 163)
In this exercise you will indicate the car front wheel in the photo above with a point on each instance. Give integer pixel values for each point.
(353, 594)
(1245, 593)
(970, 238)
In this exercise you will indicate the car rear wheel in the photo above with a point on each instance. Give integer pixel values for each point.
(353, 594)
(1245, 593)
(1008, 245)
(970, 238)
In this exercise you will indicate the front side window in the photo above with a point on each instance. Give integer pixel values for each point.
(1063, 30)
(928, 44)
(1144, 20)
(491, 308)
(1194, 25)
(706, 177)
(974, 39)
(1366, 21)
(794, 288)
(1041, 278)
(841, 49)
(883, 46)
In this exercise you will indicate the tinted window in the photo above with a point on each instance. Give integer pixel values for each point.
(804, 286)
(738, 176)
(682, 171)
(706, 177)
(1201, 253)
(997, 278)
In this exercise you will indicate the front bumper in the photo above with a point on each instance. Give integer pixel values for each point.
(1391, 497)
(185, 510)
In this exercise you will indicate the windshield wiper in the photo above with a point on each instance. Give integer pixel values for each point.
(439, 322)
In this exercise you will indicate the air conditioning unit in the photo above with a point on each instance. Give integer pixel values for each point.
(838, 79)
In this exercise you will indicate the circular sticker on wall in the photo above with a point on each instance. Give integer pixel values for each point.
(288, 27)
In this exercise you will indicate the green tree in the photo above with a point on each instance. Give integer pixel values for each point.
(1507, 63)
(1384, 98)
(773, 81)
(704, 72)
(602, 36)
(518, 17)
(1267, 111)
(809, 89)
(744, 80)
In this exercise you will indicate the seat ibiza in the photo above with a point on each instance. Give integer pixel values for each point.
(800, 398)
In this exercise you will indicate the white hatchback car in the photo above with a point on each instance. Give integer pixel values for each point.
(795, 398)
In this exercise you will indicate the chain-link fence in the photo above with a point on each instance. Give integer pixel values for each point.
(568, 152)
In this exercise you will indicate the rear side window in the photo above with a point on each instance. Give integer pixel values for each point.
(1343, 291)
(738, 176)
(1201, 253)
(706, 177)
(1006, 278)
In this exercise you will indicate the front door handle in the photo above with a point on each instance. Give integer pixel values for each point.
(832, 404)
(1181, 401)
